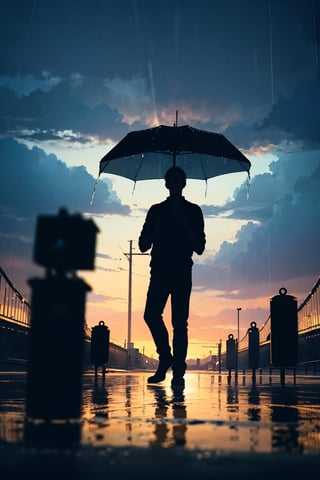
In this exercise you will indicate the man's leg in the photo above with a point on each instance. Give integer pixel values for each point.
(157, 296)
(180, 299)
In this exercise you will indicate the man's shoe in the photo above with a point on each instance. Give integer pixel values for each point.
(177, 381)
(160, 374)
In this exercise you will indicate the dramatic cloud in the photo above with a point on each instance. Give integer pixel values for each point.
(207, 65)
(258, 200)
(283, 242)
(57, 110)
(299, 114)
(291, 123)
(33, 183)
(24, 85)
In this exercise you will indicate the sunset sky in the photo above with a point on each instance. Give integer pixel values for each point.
(77, 76)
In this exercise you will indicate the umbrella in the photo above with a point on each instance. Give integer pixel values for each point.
(147, 154)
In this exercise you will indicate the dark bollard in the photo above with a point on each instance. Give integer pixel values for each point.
(231, 354)
(56, 348)
(253, 349)
(100, 339)
(54, 383)
(284, 331)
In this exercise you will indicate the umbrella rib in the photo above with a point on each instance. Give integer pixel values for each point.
(241, 163)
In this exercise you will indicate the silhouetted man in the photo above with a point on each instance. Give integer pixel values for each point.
(174, 229)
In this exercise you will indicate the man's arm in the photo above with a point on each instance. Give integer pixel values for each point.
(199, 238)
(152, 227)
(145, 238)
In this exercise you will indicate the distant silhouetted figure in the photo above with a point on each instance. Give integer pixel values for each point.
(174, 229)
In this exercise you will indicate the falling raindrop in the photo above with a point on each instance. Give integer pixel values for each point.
(94, 191)
(153, 95)
(271, 54)
(248, 186)
(315, 33)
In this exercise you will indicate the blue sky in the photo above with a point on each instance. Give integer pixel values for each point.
(77, 76)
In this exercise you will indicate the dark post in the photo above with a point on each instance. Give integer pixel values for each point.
(231, 354)
(63, 243)
(56, 348)
(284, 331)
(253, 349)
(100, 339)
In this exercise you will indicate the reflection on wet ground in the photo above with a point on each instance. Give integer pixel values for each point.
(207, 414)
(212, 415)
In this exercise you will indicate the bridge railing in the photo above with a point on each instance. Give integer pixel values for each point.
(309, 310)
(308, 318)
(13, 306)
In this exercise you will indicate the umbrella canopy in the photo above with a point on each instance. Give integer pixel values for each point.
(147, 154)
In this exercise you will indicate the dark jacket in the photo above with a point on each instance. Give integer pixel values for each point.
(174, 229)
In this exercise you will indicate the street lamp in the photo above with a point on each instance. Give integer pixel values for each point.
(237, 358)
(238, 310)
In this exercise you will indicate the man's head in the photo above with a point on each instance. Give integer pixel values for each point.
(175, 179)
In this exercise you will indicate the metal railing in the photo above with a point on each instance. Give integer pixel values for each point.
(13, 306)
(308, 318)
(16, 309)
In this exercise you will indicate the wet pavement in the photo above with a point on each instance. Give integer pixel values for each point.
(214, 427)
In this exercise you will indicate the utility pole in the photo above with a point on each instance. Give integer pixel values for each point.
(218, 346)
(129, 256)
